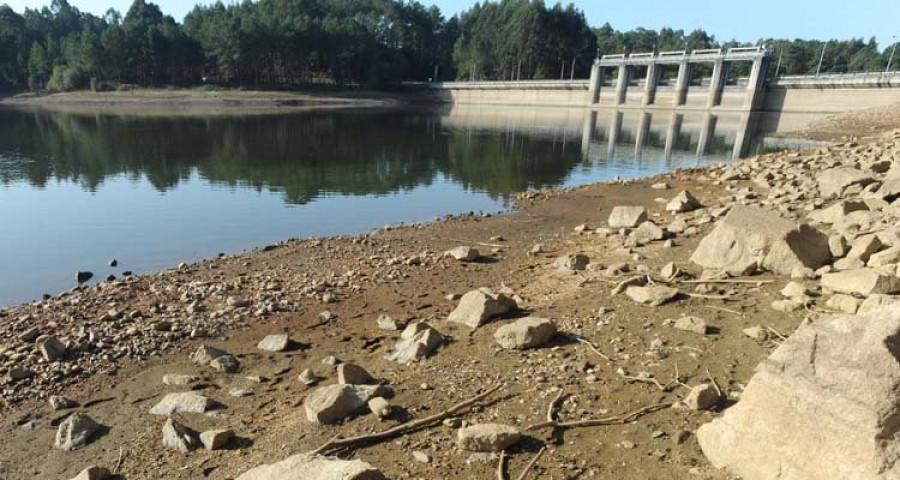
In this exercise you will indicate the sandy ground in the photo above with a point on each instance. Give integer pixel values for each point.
(271, 424)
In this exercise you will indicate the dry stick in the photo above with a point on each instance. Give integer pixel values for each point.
(750, 282)
(552, 407)
(651, 381)
(777, 333)
(119, 462)
(342, 443)
(725, 310)
(715, 384)
(598, 422)
(500, 475)
(708, 297)
(591, 345)
(531, 464)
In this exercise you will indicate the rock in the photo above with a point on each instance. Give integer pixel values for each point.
(204, 355)
(757, 333)
(787, 306)
(52, 349)
(58, 402)
(420, 456)
(821, 406)
(678, 225)
(627, 217)
(833, 181)
(226, 364)
(274, 343)
(837, 212)
(683, 202)
(749, 236)
(529, 332)
(464, 254)
(385, 322)
(692, 324)
(669, 271)
(75, 432)
(487, 437)
(82, 277)
(331, 403)
(180, 380)
(843, 303)
(647, 232)
(308, 377)
(176, 436)
(794, 290)
(216, 439)
(876, 301)
(660, 186)
(837, 245)
(380, 407)
(572, 263)
(93, 473)
(306, 466)
(864, 246)
(478, 306)
(29, 335)
(416, 343)
(890, 187)
(890, 256)
(20, 373)
(350, 374)
(653, 296)
(182, 402)
(862, 282)
(702, 397)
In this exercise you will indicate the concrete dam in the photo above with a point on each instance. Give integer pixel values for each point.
(698, 84)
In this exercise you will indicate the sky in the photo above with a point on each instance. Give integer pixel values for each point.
(726, 19)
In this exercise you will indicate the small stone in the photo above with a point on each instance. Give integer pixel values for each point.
(274, 343)
(226, 364)
(177, 379)
(420, 456)
(702, 397)
(82, 277)
(464, 254)
(757, 333)
(627, 217)
(479, 306)
(843, 303)
(529, 332)
(308, 378)
(487, 437)
(216, 439)
(385, 322)
(204, 355)
(52, 349)
(176, 436)
(692, 324)
(183, 402)
(75, 432)
(93, 473)
(653, 296)
(683, 202)
(350, 374)
(380, 407)
(58, 402)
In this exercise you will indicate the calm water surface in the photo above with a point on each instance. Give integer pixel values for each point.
(155, 189)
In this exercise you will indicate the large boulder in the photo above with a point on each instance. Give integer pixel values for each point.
(274, 343)
(76, 431)
(823, 405)
(329, 404)
(529, 332)
(313, 467)
(683, 202)
(478, 306)
(749, 237)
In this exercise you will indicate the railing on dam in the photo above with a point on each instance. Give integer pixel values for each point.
(840, 80)
(513, 85)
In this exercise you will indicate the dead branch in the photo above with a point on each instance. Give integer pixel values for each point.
(336, 444)
(708, 297)
(500, 474)
(598, 422)
(552, 407)
(735, 281)
(590, 345)
(531, 464)
(481, 244)
(713, 380)
(649, 381)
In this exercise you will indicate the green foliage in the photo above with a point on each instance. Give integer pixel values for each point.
(374, 43)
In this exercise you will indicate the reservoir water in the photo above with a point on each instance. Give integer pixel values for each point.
(152, 189)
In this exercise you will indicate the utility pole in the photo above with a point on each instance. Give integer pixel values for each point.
(821, 59)
(891, 59)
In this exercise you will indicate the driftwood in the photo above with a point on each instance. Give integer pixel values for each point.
(337, 443)
(598, 422)
(590, 345)
(531, 464)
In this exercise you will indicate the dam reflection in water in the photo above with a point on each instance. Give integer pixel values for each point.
(156, 188)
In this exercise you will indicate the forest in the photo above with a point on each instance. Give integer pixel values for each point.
(283, 44)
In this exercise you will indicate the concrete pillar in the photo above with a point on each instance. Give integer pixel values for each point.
(716, 84)
(587, 133)
(707, 130)
(595, 83)
(683, 83)
(756, 85)
(615, 127)
(651, 84)
(672, 133)
(643, 131)
(622, 84)
(745, 132)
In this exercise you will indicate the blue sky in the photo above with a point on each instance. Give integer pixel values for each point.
(726, 19)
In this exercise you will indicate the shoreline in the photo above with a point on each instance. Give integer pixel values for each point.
(125, 335)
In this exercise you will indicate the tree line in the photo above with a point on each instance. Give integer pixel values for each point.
(372, 43)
